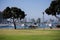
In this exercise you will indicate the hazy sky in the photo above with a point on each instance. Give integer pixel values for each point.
(33, 8)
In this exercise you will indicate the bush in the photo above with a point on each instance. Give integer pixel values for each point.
(58, 26)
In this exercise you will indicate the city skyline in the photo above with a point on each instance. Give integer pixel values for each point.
(33, 8)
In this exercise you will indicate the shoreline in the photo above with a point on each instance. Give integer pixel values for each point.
(30, 29)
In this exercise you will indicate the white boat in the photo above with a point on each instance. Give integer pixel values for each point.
(4, 24)
(11, 25)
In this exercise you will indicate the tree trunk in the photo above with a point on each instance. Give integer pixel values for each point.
(14, 24)
(58, 18)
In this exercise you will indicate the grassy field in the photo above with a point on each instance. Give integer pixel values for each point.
(32, 34)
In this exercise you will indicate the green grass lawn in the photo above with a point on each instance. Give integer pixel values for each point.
(11, 34)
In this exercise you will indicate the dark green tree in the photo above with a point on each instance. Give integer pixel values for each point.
(54, 8)
(13, 13)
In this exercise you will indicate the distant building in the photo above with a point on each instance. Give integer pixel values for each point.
(38, 21)
(33, 20)
(1, 18)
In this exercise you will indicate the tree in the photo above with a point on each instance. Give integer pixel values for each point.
(13, 13)
(54, 8)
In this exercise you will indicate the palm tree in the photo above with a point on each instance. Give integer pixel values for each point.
(13, 13)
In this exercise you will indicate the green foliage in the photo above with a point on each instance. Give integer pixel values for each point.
(13, 12)
(54, 8)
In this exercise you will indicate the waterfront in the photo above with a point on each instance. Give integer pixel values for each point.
(21, 26)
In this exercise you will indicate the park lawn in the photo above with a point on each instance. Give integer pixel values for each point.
(29, 34)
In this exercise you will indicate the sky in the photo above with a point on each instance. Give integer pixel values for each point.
(33, 8)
